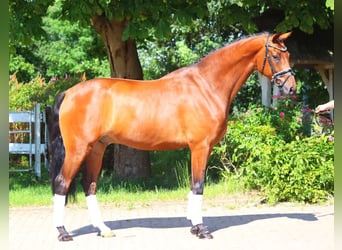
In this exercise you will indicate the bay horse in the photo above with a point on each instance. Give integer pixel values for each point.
(187, 108)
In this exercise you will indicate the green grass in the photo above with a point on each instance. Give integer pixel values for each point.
(124, 193)
(42, 195)
(170, 182)
(30, 196)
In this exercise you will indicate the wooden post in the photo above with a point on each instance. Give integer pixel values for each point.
(266, 89)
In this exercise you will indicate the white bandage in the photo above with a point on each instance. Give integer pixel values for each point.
(95, 215)
(194, 210)
(58, 210)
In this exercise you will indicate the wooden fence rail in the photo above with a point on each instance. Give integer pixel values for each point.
(29, 124)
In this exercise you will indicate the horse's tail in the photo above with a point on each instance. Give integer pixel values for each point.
(56, 150)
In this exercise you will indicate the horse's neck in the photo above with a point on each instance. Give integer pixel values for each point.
(228, 68)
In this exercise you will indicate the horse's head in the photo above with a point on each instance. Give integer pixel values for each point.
(274, 63)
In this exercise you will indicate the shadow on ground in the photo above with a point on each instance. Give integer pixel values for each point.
(214, 223)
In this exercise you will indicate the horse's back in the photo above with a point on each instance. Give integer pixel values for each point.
(126, 111)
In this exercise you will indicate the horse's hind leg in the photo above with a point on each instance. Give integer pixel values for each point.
(62, 183)
(91, 171)
(199, 158)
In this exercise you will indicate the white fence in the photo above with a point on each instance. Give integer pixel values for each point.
(34, 147)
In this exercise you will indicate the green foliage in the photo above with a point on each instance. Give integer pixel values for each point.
(19, 66)
(182, 174)
(171, 168)
(249, 93)
(276, 157)
(23, 96)
(301, 170)
(188, 44)
(311, 88)
(286, 118)
(25, 21)
(155, 18)
(66, 48)
(57, 39)
(71, 48)
(329, 4)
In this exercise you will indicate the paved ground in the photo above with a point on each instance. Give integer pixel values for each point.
(163, 226)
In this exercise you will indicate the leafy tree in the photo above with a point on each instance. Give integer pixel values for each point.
(71, 48)
(121, 24)
(65, 48)
(24, 27)
(186, 46)
(26, 21)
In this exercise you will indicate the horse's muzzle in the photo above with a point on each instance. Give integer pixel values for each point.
(286, 82)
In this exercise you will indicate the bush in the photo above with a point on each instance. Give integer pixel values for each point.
(268, 150)
(301, 170)
(23, 96)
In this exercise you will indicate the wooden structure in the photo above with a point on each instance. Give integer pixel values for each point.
(32, 145)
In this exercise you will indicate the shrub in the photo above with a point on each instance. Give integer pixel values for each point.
(23, 96)
(269, 152)
(301, 170)
(286, 117)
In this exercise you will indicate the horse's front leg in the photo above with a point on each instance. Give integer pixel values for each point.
(199, 158)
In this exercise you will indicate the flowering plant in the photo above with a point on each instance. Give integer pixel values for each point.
(287, 118)
(276, 151)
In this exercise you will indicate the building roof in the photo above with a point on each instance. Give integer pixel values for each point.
(312, 50)
(307, 50)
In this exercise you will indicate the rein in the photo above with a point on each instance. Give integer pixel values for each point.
(275, 75)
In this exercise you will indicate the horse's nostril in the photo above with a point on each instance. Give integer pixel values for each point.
(291, 91)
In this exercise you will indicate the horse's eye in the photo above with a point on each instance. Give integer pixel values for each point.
(276, 57)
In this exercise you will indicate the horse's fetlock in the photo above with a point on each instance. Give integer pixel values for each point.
(197, 188)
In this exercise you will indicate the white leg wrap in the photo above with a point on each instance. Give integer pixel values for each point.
(95, 215)
(194, 211)
(58, 210)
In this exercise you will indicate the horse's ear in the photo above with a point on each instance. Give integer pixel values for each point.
(280, 37)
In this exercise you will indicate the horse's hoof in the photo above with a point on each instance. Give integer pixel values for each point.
(108, 234)
(194, 229)
(201, 232)
(205, 235)
(63, 234)
(65, 237)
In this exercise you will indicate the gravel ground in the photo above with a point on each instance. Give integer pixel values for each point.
(162, 225)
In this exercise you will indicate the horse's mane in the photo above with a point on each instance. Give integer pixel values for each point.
(246, 37)
(239, 39)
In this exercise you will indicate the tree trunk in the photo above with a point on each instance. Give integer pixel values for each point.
(124, 63)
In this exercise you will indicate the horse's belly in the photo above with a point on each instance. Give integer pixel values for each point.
(144, 142)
